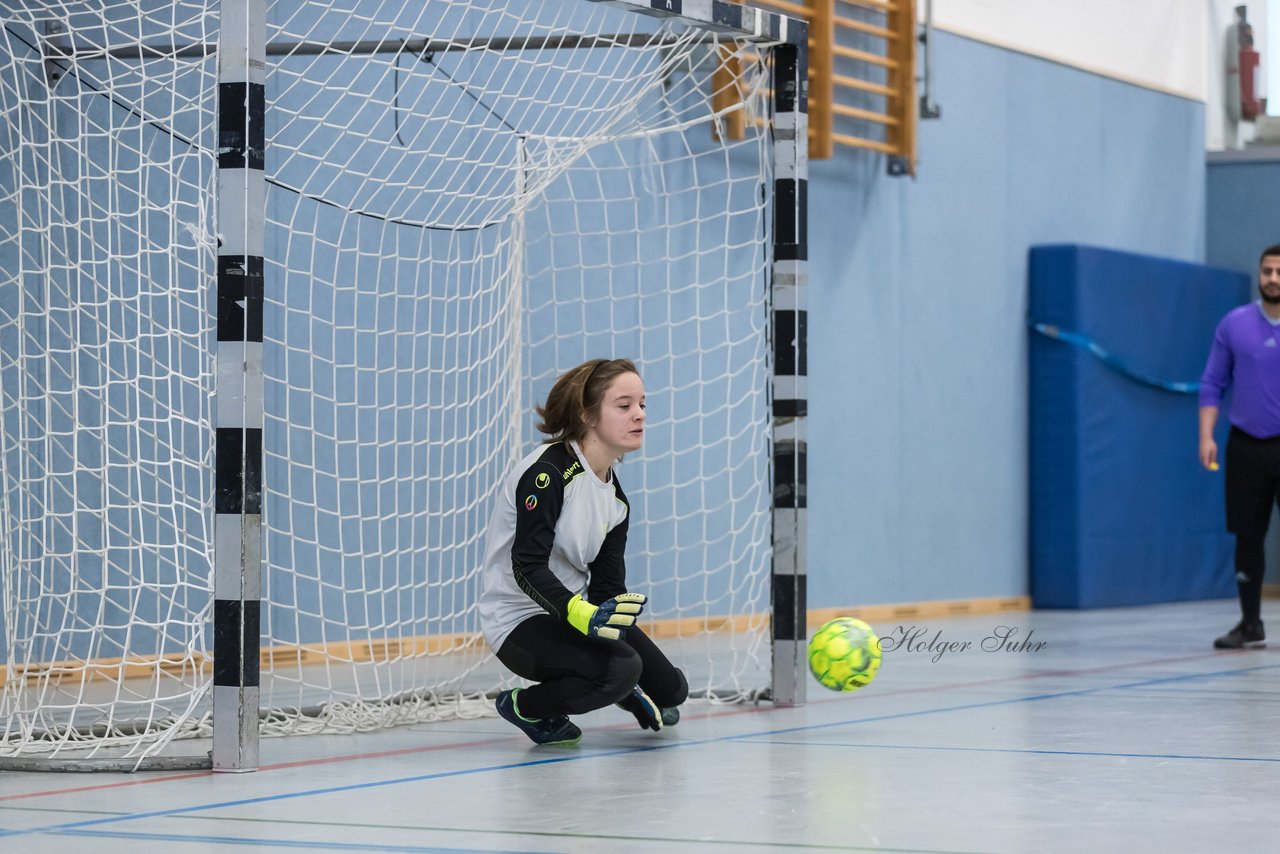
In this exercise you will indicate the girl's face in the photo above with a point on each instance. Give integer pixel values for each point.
(620, 427)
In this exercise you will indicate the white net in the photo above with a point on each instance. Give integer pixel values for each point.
(106, 248)
(464, 200)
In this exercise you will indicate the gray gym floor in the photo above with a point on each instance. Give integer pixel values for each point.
(1124, 731)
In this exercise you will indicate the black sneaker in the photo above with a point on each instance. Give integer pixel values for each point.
(647, 713)
(671, 716)
(558, 730)
(1243, 634)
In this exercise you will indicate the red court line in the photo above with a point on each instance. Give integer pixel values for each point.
(735, 710)
(106, 786)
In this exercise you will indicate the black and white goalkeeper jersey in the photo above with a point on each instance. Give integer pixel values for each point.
(557, 531)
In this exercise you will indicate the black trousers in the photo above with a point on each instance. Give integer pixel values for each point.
(577, 674)
(1252, 488)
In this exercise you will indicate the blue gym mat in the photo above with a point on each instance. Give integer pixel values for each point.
(1121, 511)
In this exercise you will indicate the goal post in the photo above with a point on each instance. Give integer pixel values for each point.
(279, 287)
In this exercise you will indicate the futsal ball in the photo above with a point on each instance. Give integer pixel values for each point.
(844, 654)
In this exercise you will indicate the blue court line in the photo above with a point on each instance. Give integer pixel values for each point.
(990, 703)
(577, 756)
(1144, 683)
(604, 841)
(944, 749)
(289, 843)
(574, 757)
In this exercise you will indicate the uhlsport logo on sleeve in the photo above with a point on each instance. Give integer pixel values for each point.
(542, 481)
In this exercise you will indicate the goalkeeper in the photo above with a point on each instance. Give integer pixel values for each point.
(555, 606)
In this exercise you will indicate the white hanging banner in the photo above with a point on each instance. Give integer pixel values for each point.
(1158, 44)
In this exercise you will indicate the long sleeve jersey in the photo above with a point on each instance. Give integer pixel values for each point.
(556, 531)
(1245, 356)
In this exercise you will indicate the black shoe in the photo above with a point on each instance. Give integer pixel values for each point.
(1244, 633)
(558, 730)
(647, 713)
(671, 716)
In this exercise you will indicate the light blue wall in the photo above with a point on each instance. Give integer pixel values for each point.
(1241, 202)
(918, 345)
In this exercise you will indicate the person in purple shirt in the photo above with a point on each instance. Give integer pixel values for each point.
(1245, 356)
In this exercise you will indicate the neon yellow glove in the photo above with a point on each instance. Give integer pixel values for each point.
(610, 619)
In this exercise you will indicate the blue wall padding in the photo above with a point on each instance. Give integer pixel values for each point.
(1121, 511)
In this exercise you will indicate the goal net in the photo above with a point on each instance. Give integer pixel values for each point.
(464, 200)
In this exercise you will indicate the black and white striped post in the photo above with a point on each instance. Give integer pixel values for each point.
(790, 368)
(237, 413)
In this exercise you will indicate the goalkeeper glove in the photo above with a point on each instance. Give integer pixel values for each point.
(647, 713)
(610, 619)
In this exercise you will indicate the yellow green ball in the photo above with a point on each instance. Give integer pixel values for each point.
(844, 654)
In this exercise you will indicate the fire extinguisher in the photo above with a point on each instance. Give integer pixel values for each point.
(1242, 65)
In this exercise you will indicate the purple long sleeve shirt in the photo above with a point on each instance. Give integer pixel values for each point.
(1246, 356)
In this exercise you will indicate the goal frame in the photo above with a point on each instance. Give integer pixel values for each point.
(238, 302)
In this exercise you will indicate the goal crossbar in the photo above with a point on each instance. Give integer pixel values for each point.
(366, 47)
